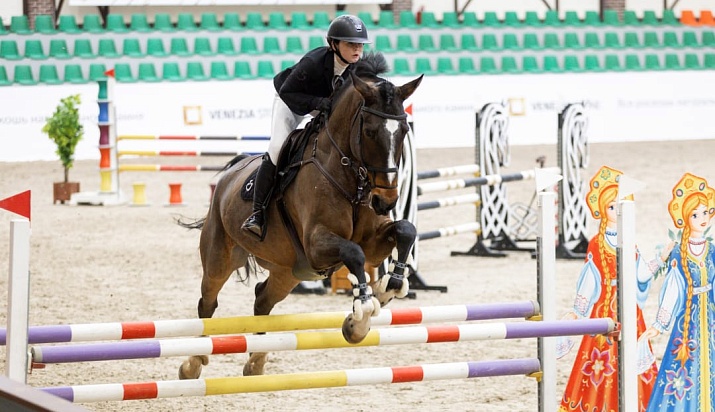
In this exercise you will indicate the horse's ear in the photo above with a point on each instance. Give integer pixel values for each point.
(407, 89)
(366, 89)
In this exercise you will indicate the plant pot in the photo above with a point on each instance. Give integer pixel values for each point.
(63, 191)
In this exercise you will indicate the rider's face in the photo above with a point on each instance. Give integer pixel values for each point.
(350, 51)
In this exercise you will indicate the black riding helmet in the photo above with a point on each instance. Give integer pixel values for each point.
(348, 28)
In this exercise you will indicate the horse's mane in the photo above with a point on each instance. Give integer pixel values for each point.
(369, 68)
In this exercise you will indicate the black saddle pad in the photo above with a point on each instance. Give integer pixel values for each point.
(248, 185)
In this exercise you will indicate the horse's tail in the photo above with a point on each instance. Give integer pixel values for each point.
(191, 224)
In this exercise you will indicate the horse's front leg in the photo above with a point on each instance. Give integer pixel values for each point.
(357, 324)
(395, 283)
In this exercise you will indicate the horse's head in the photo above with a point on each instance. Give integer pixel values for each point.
(377, 134)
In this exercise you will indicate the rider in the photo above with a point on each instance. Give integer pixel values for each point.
(302, 89)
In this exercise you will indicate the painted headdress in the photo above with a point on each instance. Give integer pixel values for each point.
(689, 185)
(605, 178)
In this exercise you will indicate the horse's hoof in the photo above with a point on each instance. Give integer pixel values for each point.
(191, 368)
(255, 364)
(353, 331)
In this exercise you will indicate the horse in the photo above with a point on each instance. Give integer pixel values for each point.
(335, 211)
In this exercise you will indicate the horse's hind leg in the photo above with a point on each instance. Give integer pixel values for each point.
(274, 289)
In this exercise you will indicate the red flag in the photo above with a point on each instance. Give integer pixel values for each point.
(408, 109)
(109, 73)
(19, 204)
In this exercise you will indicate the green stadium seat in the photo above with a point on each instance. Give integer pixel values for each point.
(138, 22)
(429, 20)
(670, 39)
(447, 43)
(571, 64)
(531, 42)
(650, 18)
(299, 21)
(450, 20)
(4, 80)
(425, 43)
(9, 50)
(185, 22)
(232, 21)
(254, 21)
(551, 64)
(131, 47)
(97, 71)
(508, 65)
(383, 44)
(612, 41)
(613, 63)
(407, 20)
(170, 72)
(73, 74)
(115, 23)
(195, 71)
(531, 19)
(633, 62)
(315, 41)
(49, 75)
(249, 45)
(225, 46)
(59, 49)
(23, 75)
(652, 62)
(123, 73)
(242, 70)
(465, 65)
(630, 18)
(592, 18)
(155, 47)
(68, 24)
(468, 42)
(386, 20)
(650, 39)
(294, 44)
(321, 20)
(510, 42)
(34, 50)
(265, 70)
(692, 62)
(209, 22)
(404, 43)
(366, 18)
(20, 25)
(670, 18)
(489, 42)
(672, 62)
(487, 65)
(592, 41)
(708, 38)
(571, 18)
(45, 24)
(288, 63)
(709, 61)
(551, 18)
(552, 42)
(219, 71)
(572, 41)
(469, 19)
(511, 19)
(202, 46)
(424, 66)
(277, 21)
(271, 45)
(592, 63)
(690, 39)
(2, 28)
(178, 47)
(610, 18)
(632, 41)
(147, 73)
(92, 23)
(401, 66)
(491, 19)
(529, 65)
(162, 23)
(444, 66)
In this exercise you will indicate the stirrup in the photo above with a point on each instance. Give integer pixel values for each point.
(254, 225)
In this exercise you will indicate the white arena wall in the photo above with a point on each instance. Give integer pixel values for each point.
(634, 106)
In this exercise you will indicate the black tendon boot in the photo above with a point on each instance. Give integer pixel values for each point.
(261, 196)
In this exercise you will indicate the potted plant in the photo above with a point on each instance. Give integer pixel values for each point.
(65, 129)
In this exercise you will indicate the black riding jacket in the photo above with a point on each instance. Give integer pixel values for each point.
(309, 81)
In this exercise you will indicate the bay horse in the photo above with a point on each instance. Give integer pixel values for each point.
(334, 213)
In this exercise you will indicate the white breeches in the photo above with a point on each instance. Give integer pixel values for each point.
(283, 122)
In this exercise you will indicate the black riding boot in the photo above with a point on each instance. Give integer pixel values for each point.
(261, 196)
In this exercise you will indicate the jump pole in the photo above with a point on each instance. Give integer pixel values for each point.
(315, 340)
(272, 323)
(294, 381)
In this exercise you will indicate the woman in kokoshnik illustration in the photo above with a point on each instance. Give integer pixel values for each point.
(593, 383)
(686, 381)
